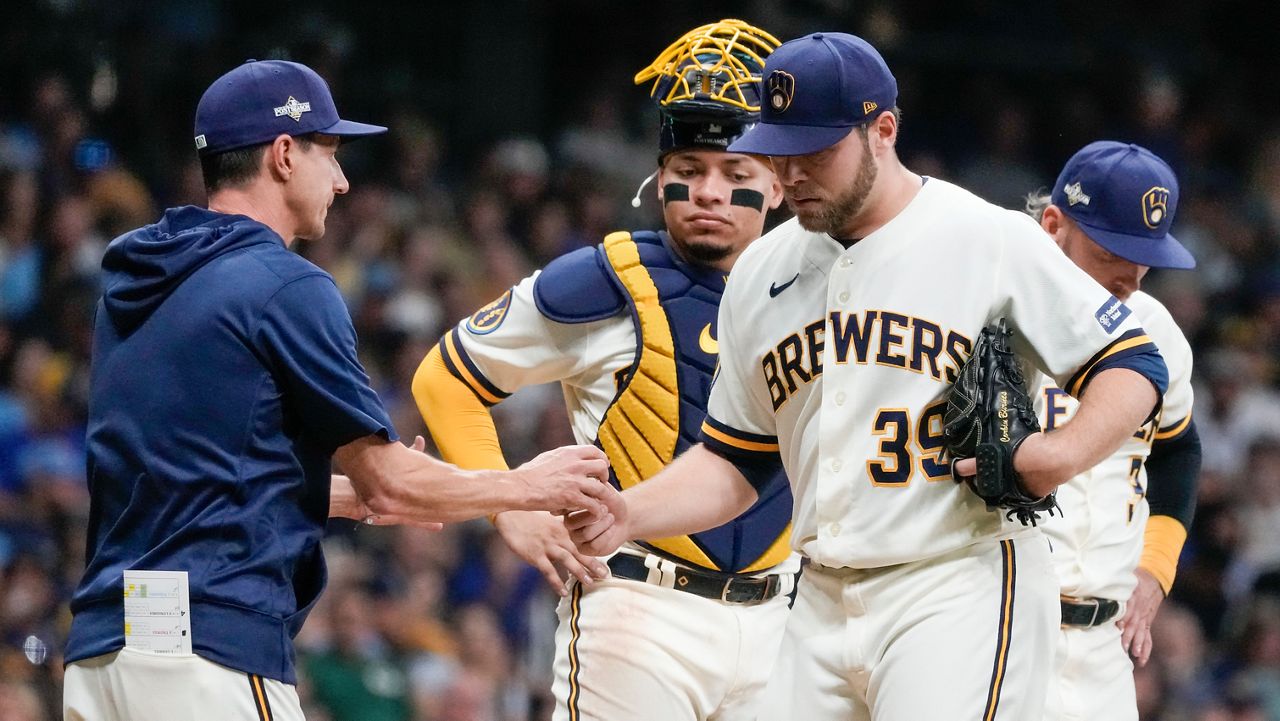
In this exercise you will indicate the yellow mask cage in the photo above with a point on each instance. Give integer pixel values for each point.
(720, 62)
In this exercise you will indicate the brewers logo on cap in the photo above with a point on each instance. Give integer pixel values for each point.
(1155, 206)
(781, 87)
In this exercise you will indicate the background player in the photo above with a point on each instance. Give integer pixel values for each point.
(840, 333)
(1110, 212)
(688, 625)
(224, 378)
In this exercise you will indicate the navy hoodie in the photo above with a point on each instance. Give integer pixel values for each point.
(224, 376)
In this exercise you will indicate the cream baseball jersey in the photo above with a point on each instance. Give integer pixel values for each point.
(838, 359)
(513, 345)
(1097, 539)
(518, 340)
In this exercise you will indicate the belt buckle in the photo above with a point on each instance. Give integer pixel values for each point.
(724, 591)
(770, 582)
(1097, 608)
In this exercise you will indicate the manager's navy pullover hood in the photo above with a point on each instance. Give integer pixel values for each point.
(224, 376)
(143, 267)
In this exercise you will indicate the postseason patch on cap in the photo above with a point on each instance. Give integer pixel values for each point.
(1111, 314)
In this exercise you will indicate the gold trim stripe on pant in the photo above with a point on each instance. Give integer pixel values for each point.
(575, 690)
(260, 701)
(1005, 631)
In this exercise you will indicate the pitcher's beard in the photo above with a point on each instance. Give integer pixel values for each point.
(833, 217)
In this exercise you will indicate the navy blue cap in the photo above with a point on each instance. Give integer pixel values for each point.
(1124, 198)
(260, 100)
(817, 88)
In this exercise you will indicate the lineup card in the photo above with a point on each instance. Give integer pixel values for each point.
(157, 612)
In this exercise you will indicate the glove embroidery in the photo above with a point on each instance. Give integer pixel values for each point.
(989, 414)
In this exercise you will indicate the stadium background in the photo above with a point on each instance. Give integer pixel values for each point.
(516, 135)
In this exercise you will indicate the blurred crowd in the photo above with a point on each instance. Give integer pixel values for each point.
(451, 626)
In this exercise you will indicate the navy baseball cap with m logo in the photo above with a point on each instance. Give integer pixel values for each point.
(261, 100)
(1123, 197)
(816, 90)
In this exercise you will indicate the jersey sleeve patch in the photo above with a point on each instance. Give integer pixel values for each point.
(464, 369)
(487, 319)
(1111, 314)
(577, 288)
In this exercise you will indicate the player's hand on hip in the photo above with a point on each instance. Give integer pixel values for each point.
(1139, 612)
(542, 540)
(566, 480)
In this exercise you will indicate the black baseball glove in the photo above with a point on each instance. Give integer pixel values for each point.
(989, 415)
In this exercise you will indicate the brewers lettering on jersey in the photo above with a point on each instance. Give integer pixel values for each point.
(1117, 542)
(884, 338)
(629, 329)
(840, 333)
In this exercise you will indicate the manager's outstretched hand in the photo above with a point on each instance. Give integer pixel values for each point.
(567, 480)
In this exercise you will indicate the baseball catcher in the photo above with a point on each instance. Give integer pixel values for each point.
(989, 414)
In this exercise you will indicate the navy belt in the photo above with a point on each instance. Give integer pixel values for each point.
(1088, 612)
(722, 587)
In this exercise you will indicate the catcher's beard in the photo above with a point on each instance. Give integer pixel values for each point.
(837, 215)
(705, 253)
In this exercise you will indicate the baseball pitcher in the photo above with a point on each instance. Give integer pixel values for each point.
(841, 333)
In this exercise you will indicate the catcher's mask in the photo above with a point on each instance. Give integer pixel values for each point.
(707, 85)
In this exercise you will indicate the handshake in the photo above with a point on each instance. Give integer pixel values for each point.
(390, 484)
(572, 481)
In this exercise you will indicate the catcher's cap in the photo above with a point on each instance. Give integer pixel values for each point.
(707, 85)
(260, 100)
(817, 88)
(1124, 197)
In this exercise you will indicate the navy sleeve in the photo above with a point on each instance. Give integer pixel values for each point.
(1133, 350)
(307, 336)
(755, 456)
(1173, 471)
